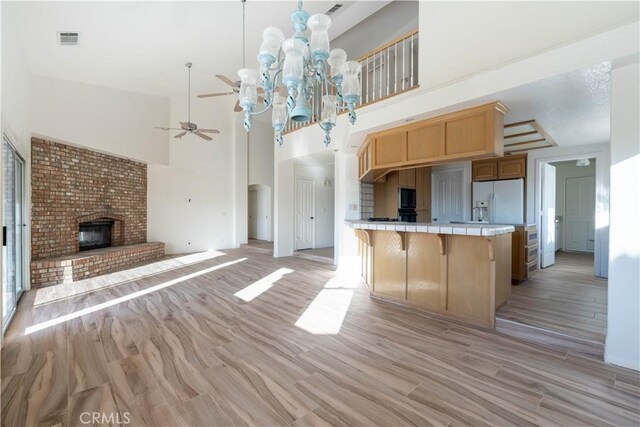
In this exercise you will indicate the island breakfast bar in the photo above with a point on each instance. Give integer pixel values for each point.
(461, 271)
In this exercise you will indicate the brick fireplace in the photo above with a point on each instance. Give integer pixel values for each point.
(85, 206)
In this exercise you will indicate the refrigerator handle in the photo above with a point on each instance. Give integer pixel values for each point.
(493, 208)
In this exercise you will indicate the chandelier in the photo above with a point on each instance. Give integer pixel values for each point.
(302, 69)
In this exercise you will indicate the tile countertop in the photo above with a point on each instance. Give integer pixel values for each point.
(435, 228)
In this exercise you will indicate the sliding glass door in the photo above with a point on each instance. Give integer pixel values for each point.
(12, 230)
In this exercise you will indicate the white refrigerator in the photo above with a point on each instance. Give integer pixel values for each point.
(504, 200)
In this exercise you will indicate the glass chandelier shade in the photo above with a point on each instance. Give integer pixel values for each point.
(272, 39)
(329, 110)
(295, 72)
(295, 51)
(319, 25)
(279, 114)
(351, 83)
(337, 59)
(248, 95)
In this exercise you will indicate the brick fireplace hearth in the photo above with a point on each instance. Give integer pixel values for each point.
(73, 186)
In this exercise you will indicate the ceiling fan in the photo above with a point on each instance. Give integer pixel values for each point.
(235, 87)
(188, 127)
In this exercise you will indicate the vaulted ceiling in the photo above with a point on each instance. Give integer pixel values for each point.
(142, 46)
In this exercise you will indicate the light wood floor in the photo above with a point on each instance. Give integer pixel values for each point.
(565, 297)
(179, 348)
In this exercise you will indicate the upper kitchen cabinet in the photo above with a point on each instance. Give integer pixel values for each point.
(512, 167)
(390, 149)
(508, 167)
(407, 178)
(473, 133)
(425, 143)
(485, 170)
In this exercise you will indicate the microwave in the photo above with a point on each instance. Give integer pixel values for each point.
(406, 198)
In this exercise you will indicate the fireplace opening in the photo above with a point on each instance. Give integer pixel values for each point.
(94, 235)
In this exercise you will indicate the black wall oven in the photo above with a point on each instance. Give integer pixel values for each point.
(406, 198)
(407, 205)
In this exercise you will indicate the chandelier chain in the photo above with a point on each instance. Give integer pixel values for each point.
(244, 34)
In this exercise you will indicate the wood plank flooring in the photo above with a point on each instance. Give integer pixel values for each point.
(178, 349)
(565, 298)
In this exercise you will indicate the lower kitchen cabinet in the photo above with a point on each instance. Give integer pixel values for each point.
(426, 272)
(390, 274)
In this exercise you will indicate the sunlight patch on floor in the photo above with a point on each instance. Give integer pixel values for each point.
(66, 290)
(326, 313)
(259, 287)
(115, 301)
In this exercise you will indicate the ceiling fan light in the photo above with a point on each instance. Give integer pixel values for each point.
(583, 162)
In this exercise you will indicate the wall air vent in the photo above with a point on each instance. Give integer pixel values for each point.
(333, 9)
(68, 38)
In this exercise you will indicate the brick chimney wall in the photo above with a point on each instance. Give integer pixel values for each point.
(68, 183)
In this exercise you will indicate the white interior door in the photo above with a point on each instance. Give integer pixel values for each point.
(305, 213)
(447, 200)
(259, 211)
(580, 213)
(548, 216)
(253, 214)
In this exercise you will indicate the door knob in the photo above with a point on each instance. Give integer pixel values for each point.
(435, 219)
(312, 218)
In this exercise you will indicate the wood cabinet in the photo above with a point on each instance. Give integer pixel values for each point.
(467, 134)
(508, 167)
(407, 178)
(390, 149)
(365, 158)
(524, 254)
(385, 193)
(385, 197)
(512, 167)
(484, 171)
(425, 143)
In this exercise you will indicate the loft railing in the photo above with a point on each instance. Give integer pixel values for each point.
(387, 71)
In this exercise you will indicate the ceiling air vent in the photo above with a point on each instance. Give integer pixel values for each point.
(333, 9)
(68, 38)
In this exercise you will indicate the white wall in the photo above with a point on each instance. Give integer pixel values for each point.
(600, 152)
(261, 167)
(202, 172)
(460, 39)
(564, 170)
(376, 30)
(324, 201)
(102, 119)
(14, 120)
(623, 320)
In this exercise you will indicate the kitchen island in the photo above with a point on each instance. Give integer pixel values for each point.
(461, 271)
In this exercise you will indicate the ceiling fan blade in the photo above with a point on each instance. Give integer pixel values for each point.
(209, 95)
(203, 136)
(180, 135)
(237, 107)
(227, 80)
(216, 131)
(156, 127)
